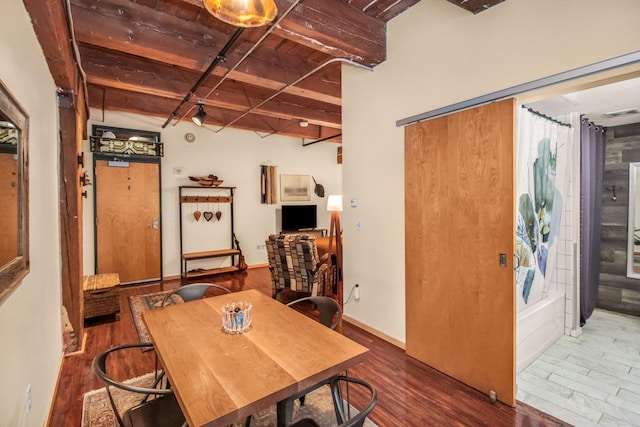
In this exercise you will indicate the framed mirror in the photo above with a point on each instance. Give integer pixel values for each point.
(14, 187)
(633, 236)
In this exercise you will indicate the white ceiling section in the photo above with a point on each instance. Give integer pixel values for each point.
(595, 103)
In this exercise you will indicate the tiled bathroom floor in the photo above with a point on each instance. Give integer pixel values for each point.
(590, 380)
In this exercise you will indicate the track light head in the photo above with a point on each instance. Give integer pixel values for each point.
(199, 117)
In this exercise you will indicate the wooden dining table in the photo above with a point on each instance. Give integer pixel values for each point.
(221, 378)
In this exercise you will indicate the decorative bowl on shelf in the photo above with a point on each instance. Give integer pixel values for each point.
(209, 183)
(210, 180)
(236, 317)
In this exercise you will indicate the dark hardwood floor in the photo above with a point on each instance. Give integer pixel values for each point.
(409, 392)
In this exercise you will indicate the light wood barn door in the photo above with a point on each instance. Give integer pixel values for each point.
(459, 219)
(128, 220)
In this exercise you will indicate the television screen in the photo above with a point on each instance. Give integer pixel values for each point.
(298, 217)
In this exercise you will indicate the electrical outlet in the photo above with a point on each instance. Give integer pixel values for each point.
(356, 293)
(28, 398)
(261, 246)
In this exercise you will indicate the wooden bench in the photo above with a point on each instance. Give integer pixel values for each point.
(101, 295)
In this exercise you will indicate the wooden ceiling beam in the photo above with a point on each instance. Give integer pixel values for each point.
(336, 28)
(127, 72)
(139, 103)
(50, 25)
(333, 27)
(475, 6)
(385, 10)
(139, 30)
(49, 19)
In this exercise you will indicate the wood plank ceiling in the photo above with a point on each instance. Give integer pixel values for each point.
(144, 56)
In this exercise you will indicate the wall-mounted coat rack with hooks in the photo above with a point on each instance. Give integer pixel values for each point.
(206, 199)
(226, 197)
(219, 195)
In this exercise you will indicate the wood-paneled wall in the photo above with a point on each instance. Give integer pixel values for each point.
(617, 292)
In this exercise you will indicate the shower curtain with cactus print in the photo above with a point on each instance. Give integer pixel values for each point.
(542, 151)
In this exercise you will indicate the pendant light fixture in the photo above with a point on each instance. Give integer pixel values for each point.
(242, 13)
(199, 117)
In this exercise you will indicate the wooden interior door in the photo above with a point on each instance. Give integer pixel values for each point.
(459, 228)
(8, 207)
(128, 220)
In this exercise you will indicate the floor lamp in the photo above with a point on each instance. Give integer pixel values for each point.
(334, 205)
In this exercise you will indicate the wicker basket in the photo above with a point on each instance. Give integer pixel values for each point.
(101, 295)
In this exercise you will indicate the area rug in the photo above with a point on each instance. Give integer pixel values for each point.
(140, 303)
(97, 412)
(96, 408)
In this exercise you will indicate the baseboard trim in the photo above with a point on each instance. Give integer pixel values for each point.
(374, 332)
(81, 349)
(252, 266)
(47, 421)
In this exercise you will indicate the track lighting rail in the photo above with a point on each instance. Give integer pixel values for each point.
(230, 70)
(222, 56)
(219, 58)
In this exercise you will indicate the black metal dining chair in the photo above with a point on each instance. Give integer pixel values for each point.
(157, 407)
(193, 292)
(358, 419)
(328, 309)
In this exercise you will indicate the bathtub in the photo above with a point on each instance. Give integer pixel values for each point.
(537, 327)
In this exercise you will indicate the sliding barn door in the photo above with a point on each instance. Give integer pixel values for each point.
(459, 234)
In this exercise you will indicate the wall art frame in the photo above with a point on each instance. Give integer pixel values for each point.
(295, 188)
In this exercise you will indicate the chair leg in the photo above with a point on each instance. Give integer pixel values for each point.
(302, 400)
(247, 423)
(339, 414)
(346, 374)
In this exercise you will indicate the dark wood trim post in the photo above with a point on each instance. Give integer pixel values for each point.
(72, 126)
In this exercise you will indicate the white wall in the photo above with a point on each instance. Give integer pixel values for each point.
(439, 54)
(31, 332)
(234, 156)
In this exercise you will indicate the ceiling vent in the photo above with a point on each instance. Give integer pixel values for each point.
(622, 112)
